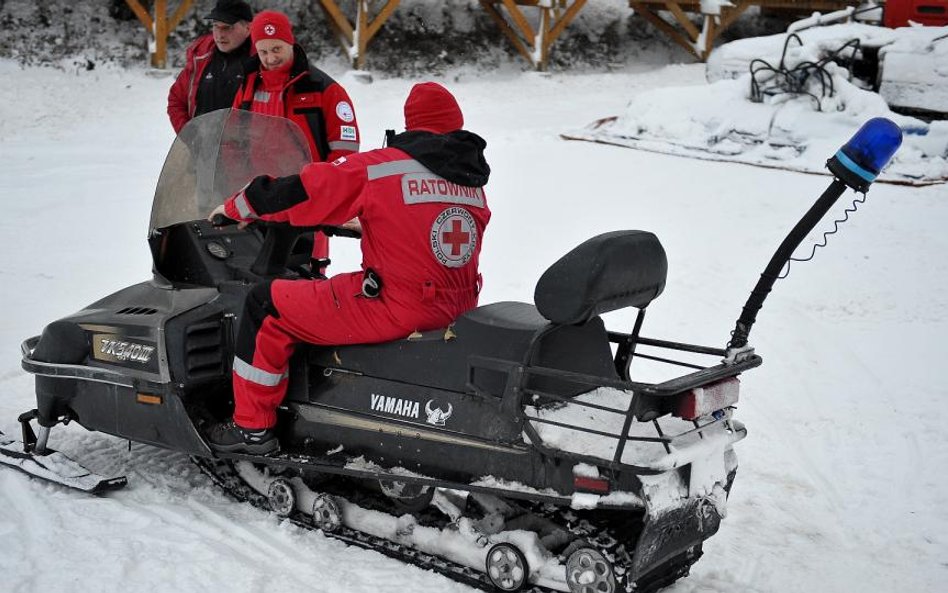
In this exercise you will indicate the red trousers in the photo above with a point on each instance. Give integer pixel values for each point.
(279, 315)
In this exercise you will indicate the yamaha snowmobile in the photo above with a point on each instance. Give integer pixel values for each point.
(512, 450)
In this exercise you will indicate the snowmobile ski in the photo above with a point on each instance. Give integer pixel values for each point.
(56, 467)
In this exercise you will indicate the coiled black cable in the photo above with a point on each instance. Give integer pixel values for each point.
(859, 199)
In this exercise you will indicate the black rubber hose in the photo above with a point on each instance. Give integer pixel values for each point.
(772, 272)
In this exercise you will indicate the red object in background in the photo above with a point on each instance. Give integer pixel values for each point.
(898, 13)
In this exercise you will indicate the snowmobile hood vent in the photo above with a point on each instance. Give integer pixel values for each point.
(608, 272)
(136, 311)
(204, 356)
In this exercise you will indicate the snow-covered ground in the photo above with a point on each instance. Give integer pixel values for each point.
(841, 486)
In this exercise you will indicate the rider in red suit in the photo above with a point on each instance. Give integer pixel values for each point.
(282, 82)
(423, 212)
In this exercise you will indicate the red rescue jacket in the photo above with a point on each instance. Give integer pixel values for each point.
(423, 211)
(314, 101)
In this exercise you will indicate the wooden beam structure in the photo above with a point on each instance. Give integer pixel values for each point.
(354, 36)
(159, 25)
(717, 18)
(697, 42)
(692, 24)
(533, 44)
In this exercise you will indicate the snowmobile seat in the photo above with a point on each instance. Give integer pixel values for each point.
(608, 272)
(510, 331)
(563, 331)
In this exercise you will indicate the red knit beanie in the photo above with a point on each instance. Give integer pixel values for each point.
(271, 24)
(432, 108)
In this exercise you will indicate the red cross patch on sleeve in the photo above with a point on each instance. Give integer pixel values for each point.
(454, 237)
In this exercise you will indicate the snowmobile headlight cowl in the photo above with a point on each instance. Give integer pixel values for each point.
(860, 160)
(704, 401)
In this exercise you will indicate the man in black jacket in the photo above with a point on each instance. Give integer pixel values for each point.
(214, 69)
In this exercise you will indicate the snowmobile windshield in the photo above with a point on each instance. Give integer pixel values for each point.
(217, 154)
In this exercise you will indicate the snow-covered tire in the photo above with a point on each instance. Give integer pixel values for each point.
(507, 567)
(326, 513)
(281, 497)
(588, 571)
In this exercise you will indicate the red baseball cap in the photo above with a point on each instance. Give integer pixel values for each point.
(432, 108)
(270, 24)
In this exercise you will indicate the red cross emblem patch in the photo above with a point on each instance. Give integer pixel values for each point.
(454, 237)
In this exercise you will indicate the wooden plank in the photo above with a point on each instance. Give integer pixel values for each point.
(552, 25)
(521, 21)
(359, 41)
(355, 37)
(699, 43)
(680, 16)
(159, 58)
(731, 14)
(159, 26)
(507, 30)
(337, 19)
(183, 7)
(142, 15)
(567, 18)
(710, 33)
(382, 16)
(662, 25)
(543, 39)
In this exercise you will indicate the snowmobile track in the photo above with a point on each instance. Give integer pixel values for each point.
(600, 535)
(223, 474)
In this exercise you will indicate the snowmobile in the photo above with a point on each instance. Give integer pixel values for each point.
(511, 451)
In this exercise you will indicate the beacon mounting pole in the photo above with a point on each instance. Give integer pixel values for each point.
(856, 165)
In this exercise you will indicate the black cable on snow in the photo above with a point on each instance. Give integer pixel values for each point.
(797, 80)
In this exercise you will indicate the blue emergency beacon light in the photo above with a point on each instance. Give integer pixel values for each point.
(860, 160)
(856, 165)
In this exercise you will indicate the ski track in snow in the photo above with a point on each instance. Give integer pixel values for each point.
(841, 481)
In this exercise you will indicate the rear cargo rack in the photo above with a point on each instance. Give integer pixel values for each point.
(631, 400)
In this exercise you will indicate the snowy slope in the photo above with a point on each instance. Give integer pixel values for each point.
(841, 483)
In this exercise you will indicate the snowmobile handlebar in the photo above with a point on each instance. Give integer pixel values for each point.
(219, 220)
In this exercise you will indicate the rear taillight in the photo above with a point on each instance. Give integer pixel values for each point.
(593, 485)
(703, 401)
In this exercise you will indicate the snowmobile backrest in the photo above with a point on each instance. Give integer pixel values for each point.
(608, 272)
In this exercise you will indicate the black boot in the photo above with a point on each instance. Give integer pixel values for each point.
(230, 438)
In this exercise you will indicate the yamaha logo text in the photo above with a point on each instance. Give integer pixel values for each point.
(406, 408)
(395, 406)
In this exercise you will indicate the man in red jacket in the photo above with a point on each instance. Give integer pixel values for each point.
(423, 211)
(281, 82)
(215, 66)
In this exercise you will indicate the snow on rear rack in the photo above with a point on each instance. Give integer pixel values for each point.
(642, 427)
